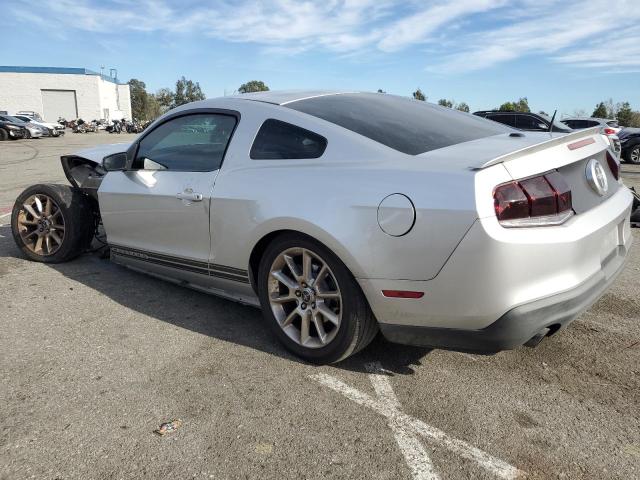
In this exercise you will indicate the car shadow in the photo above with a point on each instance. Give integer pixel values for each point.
(204, 314)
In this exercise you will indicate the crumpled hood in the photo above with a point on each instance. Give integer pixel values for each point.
(97, 153)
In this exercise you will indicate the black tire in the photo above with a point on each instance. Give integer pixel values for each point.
(358, 325)
(27, 134)
(78, 220)
(3, 135)
(633, 151)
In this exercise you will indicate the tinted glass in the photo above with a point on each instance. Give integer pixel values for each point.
(193, 143)
(613, 124)
(409, 126)
(281, 140)
(504, 118)
(529, 122)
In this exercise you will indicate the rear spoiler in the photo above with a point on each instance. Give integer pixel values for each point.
(552, 142)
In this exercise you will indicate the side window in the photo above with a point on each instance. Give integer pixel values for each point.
(192, 143)
(281, 140)
(528, 122)
(504, 118)
(590, 123)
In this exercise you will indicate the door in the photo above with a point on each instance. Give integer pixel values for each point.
(531, 123)
(505, 118)
(59, 103)
(157, 210)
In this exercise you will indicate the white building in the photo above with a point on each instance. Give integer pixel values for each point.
(69, 93)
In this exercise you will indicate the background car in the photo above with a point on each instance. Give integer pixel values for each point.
(11, 131)
(533, 122)
(31, 114)
(33, 130)
(53, 129)
(630, 143)
(608, 125)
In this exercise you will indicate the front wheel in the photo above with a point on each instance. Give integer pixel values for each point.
(312, 302)
(633, 154)
(52, 223)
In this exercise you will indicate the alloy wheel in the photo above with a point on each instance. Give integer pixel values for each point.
(635, 155)
(305, 297)
(41, 225)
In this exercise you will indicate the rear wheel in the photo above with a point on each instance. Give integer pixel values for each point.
(3, 135)
(312, 302)
(52, 223)
(633, 154)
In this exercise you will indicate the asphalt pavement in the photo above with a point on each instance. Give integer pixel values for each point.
(95, 357)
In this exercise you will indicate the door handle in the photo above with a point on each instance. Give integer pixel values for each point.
(190, 196)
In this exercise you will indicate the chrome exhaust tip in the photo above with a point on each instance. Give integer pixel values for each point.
(537, 338)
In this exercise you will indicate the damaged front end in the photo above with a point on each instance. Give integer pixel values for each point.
(85, 170)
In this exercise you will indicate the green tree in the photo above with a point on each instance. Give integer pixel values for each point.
(154, 109)
(443, 102)
(418, 95)
(463, 107)
(635, 120)
(139, 99)
(187, 91)
(253, 86)
(600, 111)
(522, 105)
(165, 99)
(625, 114)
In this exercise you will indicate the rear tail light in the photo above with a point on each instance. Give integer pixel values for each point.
(614, 166)
(609, 131)
(537, 201)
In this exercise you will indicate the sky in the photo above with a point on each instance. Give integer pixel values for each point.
(560, 54)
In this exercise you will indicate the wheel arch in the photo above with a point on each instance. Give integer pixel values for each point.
(320, 236)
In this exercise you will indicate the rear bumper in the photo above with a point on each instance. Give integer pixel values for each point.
(501, 286)
(518, 325)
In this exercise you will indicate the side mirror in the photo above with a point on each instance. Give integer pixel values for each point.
(115, 162)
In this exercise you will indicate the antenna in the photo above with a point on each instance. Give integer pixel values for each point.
(552, 120)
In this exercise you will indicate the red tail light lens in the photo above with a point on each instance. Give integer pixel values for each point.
(614, 166)
(562, 189)
(609, 131)
(510, 202)
(542, 200)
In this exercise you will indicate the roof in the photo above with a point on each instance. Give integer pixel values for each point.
(58, 71)
(589, 118)
(506, 111)
(282, 97)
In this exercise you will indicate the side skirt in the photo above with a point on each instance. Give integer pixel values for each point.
(227, 282)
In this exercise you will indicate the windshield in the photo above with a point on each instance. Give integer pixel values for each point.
(407, 125)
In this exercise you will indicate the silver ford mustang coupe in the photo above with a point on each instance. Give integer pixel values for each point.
(341, 214)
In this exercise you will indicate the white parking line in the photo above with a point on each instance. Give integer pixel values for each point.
(414, 453)
(5, 215)
(407, 428)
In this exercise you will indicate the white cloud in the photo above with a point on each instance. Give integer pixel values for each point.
(461, 35)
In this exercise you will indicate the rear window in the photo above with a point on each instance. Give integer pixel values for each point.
(613, 124)
(409, 126)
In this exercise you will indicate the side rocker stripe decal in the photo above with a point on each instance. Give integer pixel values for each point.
(203, 268)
